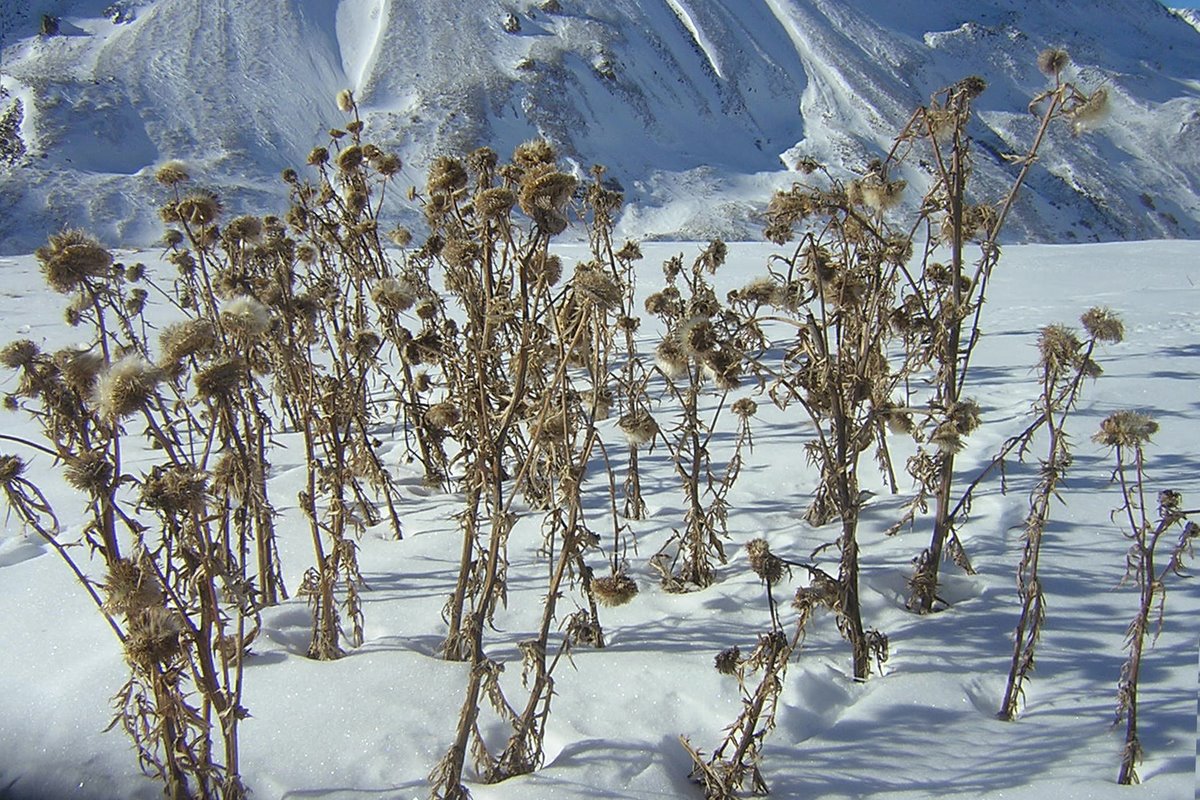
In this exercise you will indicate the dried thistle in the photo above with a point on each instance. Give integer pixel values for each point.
(614, 590)
(246, 317)
(20, 354)
(1052, 61)
(71, 258)
(1126, 429)
(1103, 325)
(171, 173)
(639, 428)
(125, 386)
(763, 562)
(89, 472)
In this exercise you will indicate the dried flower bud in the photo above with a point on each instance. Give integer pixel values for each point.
(446, 176)
(639, 428)
(11, 468)
(1103, 325)
(246, 317)
(70, 258)
(221, 379)
(765, 564)
(345, 101)
(171, 173)
(20, 354)
(615, 590)
(393, 294)
(125, 386)
(1126, 429)
(728, 660)
(1052, 61)
(444, 415)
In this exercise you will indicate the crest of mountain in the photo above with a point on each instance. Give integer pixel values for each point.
(696, 107)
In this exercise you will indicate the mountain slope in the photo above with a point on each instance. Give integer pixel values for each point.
(696, 106)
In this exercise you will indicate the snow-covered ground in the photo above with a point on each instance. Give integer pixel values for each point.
(372, 724)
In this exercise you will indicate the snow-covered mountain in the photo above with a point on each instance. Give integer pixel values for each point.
(695, 106)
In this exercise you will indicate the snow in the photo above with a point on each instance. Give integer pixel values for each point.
(683, 100)
(372, 724)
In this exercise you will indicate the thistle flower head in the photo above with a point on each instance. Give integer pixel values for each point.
(639, 428)
(1103, 325)
(20, 354)
(175, 490)
(1126, 429)
(171, 173)
(80, 369)
(198, 209)
(615, 590)
(345, 101)
(1052, 61)
(393, 294)
(70, 258)
(220, 379)
(246, 317)
(11, 468)
(125, 386)
(89, 472)
(763, 562)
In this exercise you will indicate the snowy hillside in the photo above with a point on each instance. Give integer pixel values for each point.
(696, 106)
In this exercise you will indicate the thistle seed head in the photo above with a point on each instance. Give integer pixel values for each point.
(198, 209)
(1059, 348)
(176, 490)
(11, 468)
(345, 101)
(615, 590)
(1103, 325)
(246, 317)
(495, 203)
(220, 380)
(171, 173)
(671, 358)
(1052, 61)
(154, 638)
(639, 428)
(728, 660)
(446, 176)
(763, 562)
(1126, 429)
(534, 153)
(125, 386)
(443, 416)
(181, 340)
(596, 288)
(89, 472)
(129, 588)
(80, 369)
(70, 258)
(20, 354)
(744, 408)
(393, 294)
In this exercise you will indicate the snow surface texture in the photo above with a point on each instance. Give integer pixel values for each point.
(372, 724)
(697, 107)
